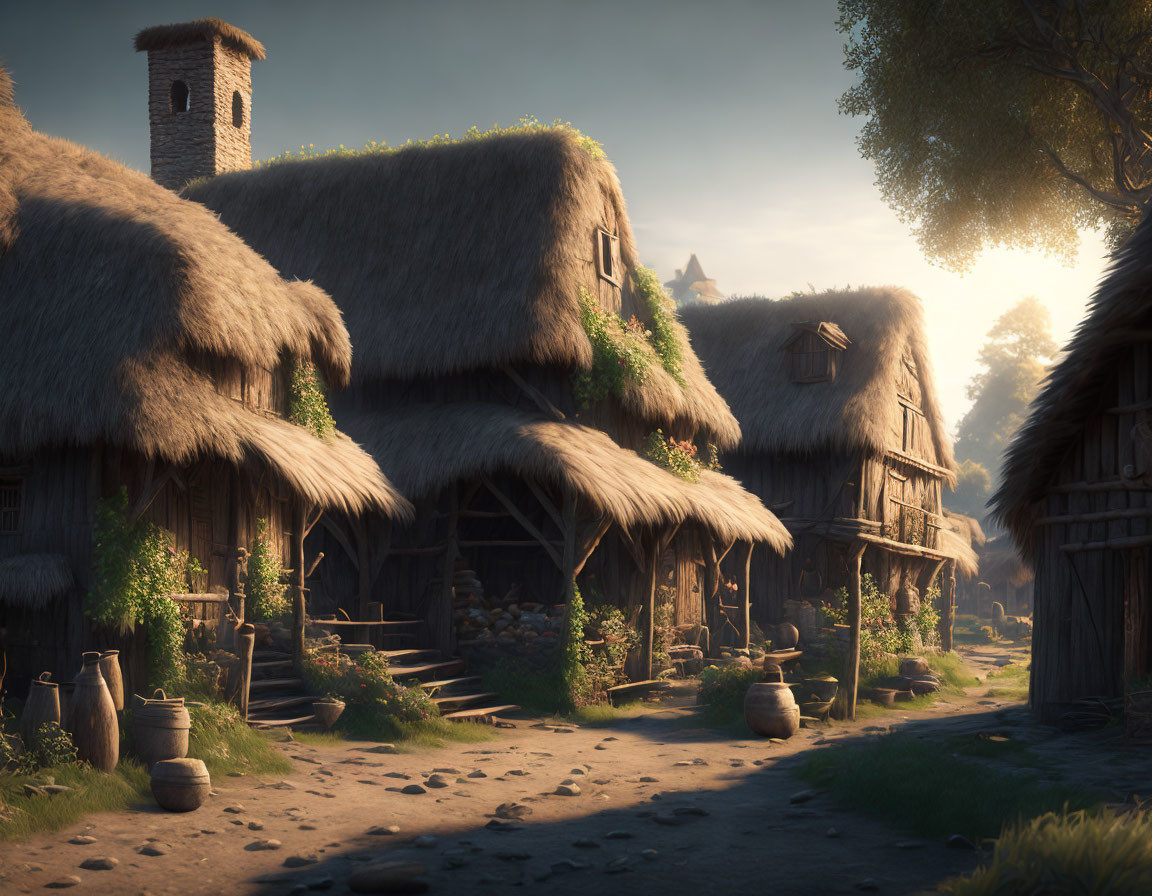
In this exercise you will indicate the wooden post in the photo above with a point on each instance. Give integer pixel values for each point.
(745, 590)
(375, 614)
(947, 604)
(440, 619)
(235, 558)
(648, 622)
(245, 647)
(363, 566)
(568, 555)
(296, 559)
(853, 664)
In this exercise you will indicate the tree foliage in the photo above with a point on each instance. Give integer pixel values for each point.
(1014, 360)
(1013, 122)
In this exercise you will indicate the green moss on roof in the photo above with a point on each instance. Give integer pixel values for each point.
(526, 126)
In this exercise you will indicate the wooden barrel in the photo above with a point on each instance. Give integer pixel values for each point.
(110, 669)
(770, 709)
(43, 706)
(161, 727)
(95, 728)
(180, 785)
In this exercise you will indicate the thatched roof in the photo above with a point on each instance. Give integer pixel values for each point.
(31, 580)
(1082, 384)
(741, 343)
(957, 546)
(110, 284)
(967, 527)
(456, 256)
(426, 447)
(1000, 562)
(161, 37)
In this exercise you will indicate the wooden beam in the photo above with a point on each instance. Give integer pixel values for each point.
(947, 605)
(854, 621)
(591, 542)
(525, 523)
(899, 547)
(440, 619)
(746, 591)
(359, 529)
(635, 550)
(925, 465)
(724, 553)
(1138, 541)
(568, 559)
(152, 489)
(546, 502)
(648, 623)
(342, 539)
(508, 543)
(296, 560)
(418, 552)
(245, 639)
(1113, 485)
(315, 563)
(308, 529)
(1103, 516)
(535, 394)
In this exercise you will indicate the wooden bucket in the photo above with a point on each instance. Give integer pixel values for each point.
(43, 706)
(161, 726)
(770, 710)
(110, 669)
(95, 728)
(180, 785)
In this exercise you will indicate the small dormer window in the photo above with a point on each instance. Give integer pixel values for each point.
(11, 495)
(178, 98)
(814, 350)
(608, 257)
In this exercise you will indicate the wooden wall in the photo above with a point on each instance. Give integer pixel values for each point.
(1085, 599)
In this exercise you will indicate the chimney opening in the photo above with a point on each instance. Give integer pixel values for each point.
(179, 98)
(237, 109)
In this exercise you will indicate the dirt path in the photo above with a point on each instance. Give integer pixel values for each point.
(662, 808)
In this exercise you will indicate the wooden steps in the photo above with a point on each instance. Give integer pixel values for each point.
(269, 684)
(634, 690)
(410, 654)
(472, 715)
(281, 723)
(422, 671)
(445, 683)
(272, 703)
(458, 701)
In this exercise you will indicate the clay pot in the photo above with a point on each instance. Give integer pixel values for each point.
(110, 669)
(95, 728)
(911, 666)
(786, 636)
(772, 671)
(327, 711)
(161, 726)
(817, 709)
(823, 687)
(924, 684)
(67, 691)
(43, 706)
(770, 710)
(883, 696)
(180, 785)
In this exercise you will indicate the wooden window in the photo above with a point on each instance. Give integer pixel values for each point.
(608, 257)
(179, 98)
(814, 349)
(11, 496)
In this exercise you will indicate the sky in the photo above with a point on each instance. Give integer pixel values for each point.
(720, 118)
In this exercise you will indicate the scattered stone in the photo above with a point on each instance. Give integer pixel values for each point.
(618, 835)
(300, 861)
(389, 877)
(585, 843)
(648, 779)
(802, 797)
(868, 885)
(281, 785)
(513, 811)
(62, 883)
(255, 825)
(99, 863)
(959, 841)
(154, 849)
(567, 790)
(234, 810)
(54, 789)
(381, 748)
(507, 856)
(261, 845)
(650, 854)
(606, 739)
(412, 789)
(566, 865)
(518, 772)
(600, 747)
(446, 771)
(477, 774)
(322, 883)
(496, 825)
(619, 865)
(503, 724)
(425, 841)
(383, 830)
(436, 781)
(369, 781)
(668, 820)
(82, 840)
(307, 827)
(209, 831)
(832, 833)
(910, 844)
(400, 775)
(577, 771)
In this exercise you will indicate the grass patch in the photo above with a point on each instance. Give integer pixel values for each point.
(407, 736)
(924, 787)
(601, 715)
(952, 671)
(970, 630)
(92, 791)
(320, 738)
(227, 745)
(1010, 681)
(1066, 853)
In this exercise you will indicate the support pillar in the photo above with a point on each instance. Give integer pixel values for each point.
(296, 559)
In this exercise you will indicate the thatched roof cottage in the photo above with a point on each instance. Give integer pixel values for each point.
(146, 346)
(469, 273)
(842, 437)
(1076, 496)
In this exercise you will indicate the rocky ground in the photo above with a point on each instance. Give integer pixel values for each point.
(647, 805)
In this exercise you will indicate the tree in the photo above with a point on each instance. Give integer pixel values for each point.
(973, 489)
(1014, 360)
(1013, 122)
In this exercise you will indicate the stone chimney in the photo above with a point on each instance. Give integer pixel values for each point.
(199, 99)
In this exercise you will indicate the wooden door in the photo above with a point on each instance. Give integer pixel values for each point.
(1137, 628)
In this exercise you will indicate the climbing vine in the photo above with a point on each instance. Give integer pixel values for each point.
(263, 591)
(664, 338)
(619, 353)
(307, 406)
(134, 570)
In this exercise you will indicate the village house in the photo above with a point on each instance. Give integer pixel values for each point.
(1076, 496)
(692, 285)
(473, 276)
(843, 438)
(147, 348)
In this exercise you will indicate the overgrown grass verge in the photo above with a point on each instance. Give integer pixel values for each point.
(926, 788)
(602, 715)
(970, 630)
(92, 791)
(1010, 682)
(1067, 854)
(406, 736)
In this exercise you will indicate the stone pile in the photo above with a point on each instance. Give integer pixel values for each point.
(490, 629)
